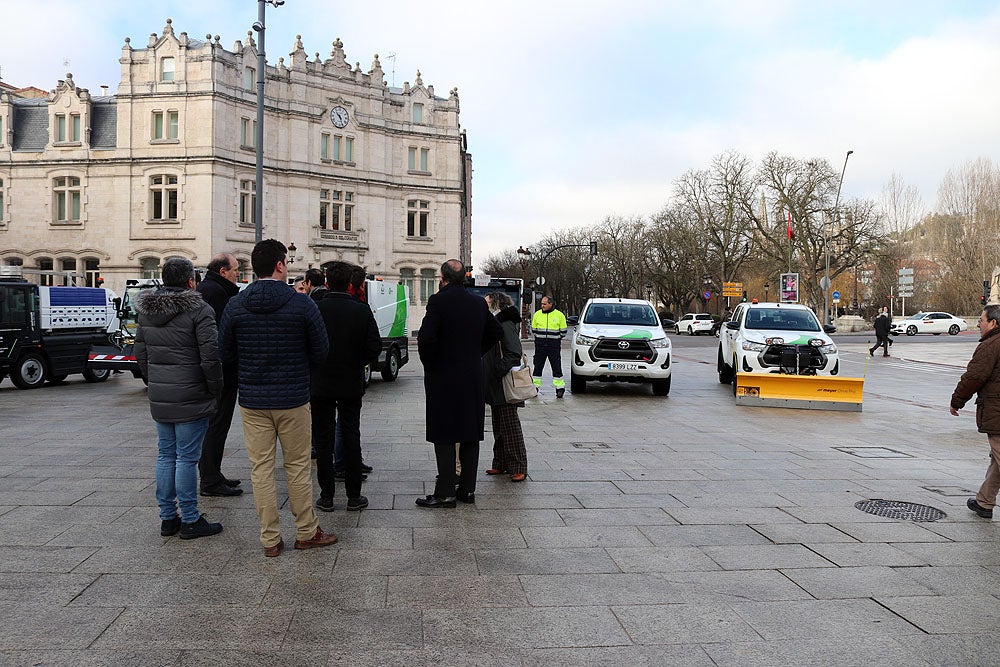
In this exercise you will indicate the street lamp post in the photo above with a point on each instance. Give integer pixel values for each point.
(258, 139)
(525, 254)
(826, 244)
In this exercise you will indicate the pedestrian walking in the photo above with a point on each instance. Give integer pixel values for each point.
(273, 333)
(883, 325)
(176, 346)
(509, 454)
(338, 385)
(982, 377)
(218, 287)
(456, 331)
(549, 328)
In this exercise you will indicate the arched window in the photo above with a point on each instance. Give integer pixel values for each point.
(92, 269)
(409, 278)
(149, 267)
(428, 283)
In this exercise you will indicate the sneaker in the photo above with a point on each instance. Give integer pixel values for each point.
(979, 509)
(357, 504)
(200, 528)
(560, 391)
(170, 526)
(324, 504)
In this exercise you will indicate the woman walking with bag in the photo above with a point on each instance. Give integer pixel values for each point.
(509, 454)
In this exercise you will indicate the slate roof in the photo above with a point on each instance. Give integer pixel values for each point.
(103, 123)
(30, 124)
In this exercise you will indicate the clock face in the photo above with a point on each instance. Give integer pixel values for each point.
(339, 116)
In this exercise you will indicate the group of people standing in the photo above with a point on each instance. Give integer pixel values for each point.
(285, 356)
(294, 359)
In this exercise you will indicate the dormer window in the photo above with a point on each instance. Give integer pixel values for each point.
(166, 69)
(67, 128)
(249, 78)
(418, 112)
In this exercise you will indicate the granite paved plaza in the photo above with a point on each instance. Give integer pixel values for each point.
(652, 531)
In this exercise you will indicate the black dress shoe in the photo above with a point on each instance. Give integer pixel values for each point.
(979, 509)
(466, 497)
(221, 489)
(230, 482)
(366, 468)
(433, 501)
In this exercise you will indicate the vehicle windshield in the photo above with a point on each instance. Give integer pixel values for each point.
(621, 313)
(781, 319)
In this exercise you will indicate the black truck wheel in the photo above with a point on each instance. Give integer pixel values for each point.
(96, 375)
(29, 372)
(390, 371)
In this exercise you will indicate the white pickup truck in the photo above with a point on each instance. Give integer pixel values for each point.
(775, 338)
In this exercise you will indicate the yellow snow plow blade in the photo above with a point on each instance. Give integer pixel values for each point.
(812, 392)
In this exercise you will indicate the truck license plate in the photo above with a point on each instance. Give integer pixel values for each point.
(622, 367)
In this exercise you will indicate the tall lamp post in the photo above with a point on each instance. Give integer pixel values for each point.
(525, 254)
(826, 245)
(258, 139)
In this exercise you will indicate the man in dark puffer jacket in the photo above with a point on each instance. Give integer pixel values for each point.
(176, 347)
(273, 333)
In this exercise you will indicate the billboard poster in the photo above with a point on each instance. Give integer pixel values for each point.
(790, 287)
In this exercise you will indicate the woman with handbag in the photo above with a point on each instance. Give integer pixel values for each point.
(509, 454)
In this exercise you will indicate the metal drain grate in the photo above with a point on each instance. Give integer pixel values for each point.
(896, 509)
(591, 445)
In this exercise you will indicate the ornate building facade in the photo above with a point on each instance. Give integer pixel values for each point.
(112, 185)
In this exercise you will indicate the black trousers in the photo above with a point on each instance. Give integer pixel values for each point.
(550, 350)
(210, 465)
(468, 455)
(325, 412)
(883, 342)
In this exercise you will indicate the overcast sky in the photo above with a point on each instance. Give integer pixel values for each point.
(577, 110)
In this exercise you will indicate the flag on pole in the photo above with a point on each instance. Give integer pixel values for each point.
(791, 234)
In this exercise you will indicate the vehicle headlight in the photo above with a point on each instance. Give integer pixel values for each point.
(828, 349)
(660, 342)
(751, 346)
(585, 340)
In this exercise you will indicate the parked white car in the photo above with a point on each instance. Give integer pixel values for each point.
(932, 323)
(775, 338)
(694, 323)
(620, 340)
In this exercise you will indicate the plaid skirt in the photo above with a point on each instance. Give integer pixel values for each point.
(508, 440)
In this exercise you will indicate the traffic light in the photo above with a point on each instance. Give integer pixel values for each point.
(986, 292)
(593, 247)
(744, 296)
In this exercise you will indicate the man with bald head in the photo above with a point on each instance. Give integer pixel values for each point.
(456, 331)
(218, 287)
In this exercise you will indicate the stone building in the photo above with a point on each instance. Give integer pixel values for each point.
(112, 185)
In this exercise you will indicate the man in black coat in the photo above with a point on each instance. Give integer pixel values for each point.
(338, 385)
(456, 331)
(315, 284)
(218, 287)
(883, 325)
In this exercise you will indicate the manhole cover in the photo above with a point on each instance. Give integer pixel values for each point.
(895, 509)
(591, 445)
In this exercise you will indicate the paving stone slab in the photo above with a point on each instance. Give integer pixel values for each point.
(544, 561)
(320, 589)
(124, 559)
(91, 658)
(953, 553)
(42, 589)
(866, 553)
(732, 515)
(662, 559)
(172, 590)
(201, 628)
(702, 535)
(42, 559)
(900, 531)
(802, 533)
(681, 655)
(46, 627)
(684, 624)
(956, 580)
(824, 619)
(961, 649)
(405, 562)
(947, 614)
(315, 628)
(881, 651)
(455, 592)
(468, 537)
(584, 536)
(765, 556)
(622, 500)
(640, 516)
(826, 583)
(523, 627)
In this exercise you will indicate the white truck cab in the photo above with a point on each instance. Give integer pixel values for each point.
(775, 338)
(620, 340)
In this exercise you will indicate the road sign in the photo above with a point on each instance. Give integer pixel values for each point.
(540, 281)
(906, 280)
(824, 283)
(732, 289)
(906, 272)
(836, 295)
(904, 294)
(708, 295)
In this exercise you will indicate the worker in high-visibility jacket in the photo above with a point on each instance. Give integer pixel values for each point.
(549, 328)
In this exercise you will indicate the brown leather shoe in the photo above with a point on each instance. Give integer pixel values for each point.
(320, 539)
(495, 471)
(518, 477)
(272, 551)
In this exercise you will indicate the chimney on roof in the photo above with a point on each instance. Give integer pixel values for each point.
(104, 90)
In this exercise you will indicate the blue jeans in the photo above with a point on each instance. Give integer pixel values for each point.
(177, 468)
